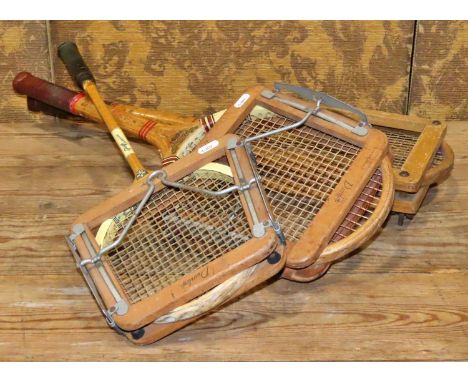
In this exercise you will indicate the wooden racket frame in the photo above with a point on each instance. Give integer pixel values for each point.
(373, 149)
(197, 282)
(413, 173)
(438, 173)
(336, 251)
(154, 332)
(409, 202)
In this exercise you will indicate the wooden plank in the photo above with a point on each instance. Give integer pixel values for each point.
(23, 46)
(404, 299)
(349, 317)
(198, 67)
(440, 70)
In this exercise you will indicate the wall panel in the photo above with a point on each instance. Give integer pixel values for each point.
(198, 67)
(440, 70)
(23, 46)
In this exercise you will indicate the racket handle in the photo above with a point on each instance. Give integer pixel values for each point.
(71, 57)
(46, 92)
(37, 106)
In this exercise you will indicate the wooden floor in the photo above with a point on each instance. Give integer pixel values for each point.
(404, 297)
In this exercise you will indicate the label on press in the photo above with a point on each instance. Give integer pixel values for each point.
(209, 146)
(244, 97)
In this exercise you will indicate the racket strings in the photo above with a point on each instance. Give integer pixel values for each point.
(362, 209)
(438, 158)
(401, 143)
(176, 233)
(299, 168)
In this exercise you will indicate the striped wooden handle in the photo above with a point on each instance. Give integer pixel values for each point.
(170, 133)
(78, 69)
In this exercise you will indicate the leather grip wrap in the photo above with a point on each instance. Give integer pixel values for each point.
(37, 106)
(71, 57)
(41, 90)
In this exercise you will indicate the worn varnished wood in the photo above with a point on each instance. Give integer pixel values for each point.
(250, 253)
(413, 172)
(374, 147)
(404, 297)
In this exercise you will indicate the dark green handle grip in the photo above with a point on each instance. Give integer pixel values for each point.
(71, 57)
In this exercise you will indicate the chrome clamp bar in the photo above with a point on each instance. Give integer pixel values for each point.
(161, 175)
(271, 220)
(108, 313)
(243, 187)
(282, 129)
(322, 98)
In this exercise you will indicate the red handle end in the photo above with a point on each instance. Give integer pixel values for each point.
(44, 91)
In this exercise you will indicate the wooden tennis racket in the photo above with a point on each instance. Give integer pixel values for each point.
(190, 230)
(313, 174)
(180, 250)
(358, 225)
(173, 135)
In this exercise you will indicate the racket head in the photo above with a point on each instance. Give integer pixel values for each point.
(441, 166)
(361, 155)
(408, 203)
(362, 223)
(404, 202)
(264, 271)
(182, 244)
(414, 143)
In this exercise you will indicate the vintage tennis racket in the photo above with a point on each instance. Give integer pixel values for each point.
(420, 157)
(314, 164)
(359, 225)
(173, 135)
(162, 248)
(407, 203)
(186, 232)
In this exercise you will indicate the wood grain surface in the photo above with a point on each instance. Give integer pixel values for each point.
(403, 297)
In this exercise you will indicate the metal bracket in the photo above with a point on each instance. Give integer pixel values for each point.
(321, 98)
(281, 129)
(259, 230)
(108, 313)
(242, 187)
(121, 306)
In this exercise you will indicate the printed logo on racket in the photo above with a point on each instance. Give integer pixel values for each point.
(339, 197)
(202, 273)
